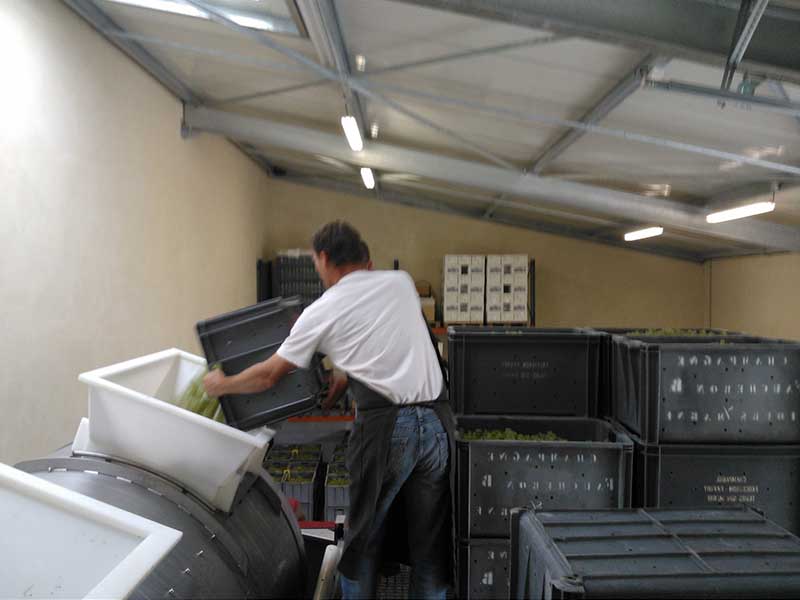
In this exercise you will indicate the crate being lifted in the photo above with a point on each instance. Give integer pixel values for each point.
(679, 553)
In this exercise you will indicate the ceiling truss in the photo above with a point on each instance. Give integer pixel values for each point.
(336, 69)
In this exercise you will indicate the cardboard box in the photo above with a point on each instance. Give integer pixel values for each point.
(494, 316)
(423, 289)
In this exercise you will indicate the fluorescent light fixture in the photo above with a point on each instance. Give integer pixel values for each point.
(368, 178)
(740, 212)
(179, 8)
(170, 6)
(642, 234)
(361, 62)
(373, 131)
(353, 135)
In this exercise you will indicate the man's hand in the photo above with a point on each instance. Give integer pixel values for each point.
(337, 387)
(215, 383)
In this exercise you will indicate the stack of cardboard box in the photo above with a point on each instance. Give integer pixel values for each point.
(507, 291)
(464, 288)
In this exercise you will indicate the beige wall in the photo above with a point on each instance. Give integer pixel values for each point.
(116, 236)
(577, 283)
(757, 295)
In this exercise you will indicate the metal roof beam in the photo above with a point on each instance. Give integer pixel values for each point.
(421, 202)
(598, 129)
(323, 27)
(400, 67)
(785, 106)
(355, 84)
(509, 204)
(613, 98)
(539, 41)
(750, 14)
(552, 192)
(616, 96)
(698, 31)
(224, 55)
(106, 25)
(778, 88)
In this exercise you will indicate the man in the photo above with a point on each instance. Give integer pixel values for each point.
(370, 325)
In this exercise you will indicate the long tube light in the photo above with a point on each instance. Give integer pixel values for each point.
(368, 178)
(642, 234)
(352, 133)
(740, 212)
(179, 8)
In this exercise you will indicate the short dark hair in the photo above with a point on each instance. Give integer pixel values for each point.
(341, 242)
(365, 257)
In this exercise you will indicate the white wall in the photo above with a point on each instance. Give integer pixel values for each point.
(116, 235)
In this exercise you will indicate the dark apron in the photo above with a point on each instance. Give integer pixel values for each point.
(367, 458)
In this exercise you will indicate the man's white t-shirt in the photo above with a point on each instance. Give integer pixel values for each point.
(370, 325)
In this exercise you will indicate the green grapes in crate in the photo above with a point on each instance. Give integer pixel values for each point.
(338, 482)
(507, 434)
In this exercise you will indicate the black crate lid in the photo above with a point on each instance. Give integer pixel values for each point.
(711, 553)
(457, 331)
(238, 340)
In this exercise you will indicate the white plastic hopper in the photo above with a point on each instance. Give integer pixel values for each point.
(132, 417)
(57, 543)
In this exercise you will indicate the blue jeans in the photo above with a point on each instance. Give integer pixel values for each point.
(417, 469)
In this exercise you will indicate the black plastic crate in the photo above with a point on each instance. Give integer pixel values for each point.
(606, 364)
(483, 569)
(682, 475)
(295, 275)
(337, 496)
(702, 553)
(524, 370)
(307, 493)
(606, 368)
(591, 470)
(731, 389)
(242, 338)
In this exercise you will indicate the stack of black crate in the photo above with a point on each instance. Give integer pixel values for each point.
(297, 469)
(337, 484)
(293, 274)
(532, 381)
(715, 419)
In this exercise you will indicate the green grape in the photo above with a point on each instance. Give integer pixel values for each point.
(338, 481)
(507, 434)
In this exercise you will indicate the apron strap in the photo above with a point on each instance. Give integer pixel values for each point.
(442, 362)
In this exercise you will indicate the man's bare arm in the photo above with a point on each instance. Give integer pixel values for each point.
(257, 378)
